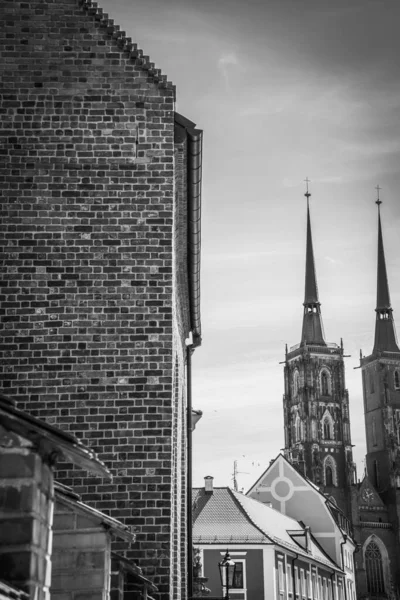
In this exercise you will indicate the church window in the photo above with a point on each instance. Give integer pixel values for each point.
(327, 429)
(397, 380)
(374, 569)
(330, 471)
(298, 428)
(324, 383)
(296, 383)
(328, 475)
(313, 429)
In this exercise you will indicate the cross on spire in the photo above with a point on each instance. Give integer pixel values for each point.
(307, 194)
(378, 201)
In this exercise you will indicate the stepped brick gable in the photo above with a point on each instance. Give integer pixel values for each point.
(100, 199)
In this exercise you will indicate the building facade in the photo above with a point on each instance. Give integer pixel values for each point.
(100, 256)
(276, 557)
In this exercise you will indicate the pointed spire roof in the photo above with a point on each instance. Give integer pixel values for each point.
(385, 332)
(313, 330)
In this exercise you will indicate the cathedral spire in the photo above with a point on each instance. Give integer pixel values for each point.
(385, 333)
(313, 331)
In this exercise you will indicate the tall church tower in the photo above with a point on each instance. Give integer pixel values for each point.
(316, 403)
(381, 391)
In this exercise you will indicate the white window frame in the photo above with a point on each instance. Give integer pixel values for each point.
(289, 580)
(281, 579)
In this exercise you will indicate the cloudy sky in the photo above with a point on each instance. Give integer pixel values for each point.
(283, 90)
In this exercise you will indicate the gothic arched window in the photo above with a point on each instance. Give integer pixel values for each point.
(324, 383)
(374, 569)
(314, 429)
(396, 380)
(330, 471)
(298, 428)
(327, 429)
(328, 476)
(296, 383)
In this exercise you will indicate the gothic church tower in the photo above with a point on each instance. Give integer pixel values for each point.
(381, 391)
(316, 403)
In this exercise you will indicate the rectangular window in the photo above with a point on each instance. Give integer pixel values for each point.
(289, 580)
(281, 579)
(329, 589)
(238, 577)
(308, 585)
(320, 595)
(314, 586)
(302, 584)
(296, 581)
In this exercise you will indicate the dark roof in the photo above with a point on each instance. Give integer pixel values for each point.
(226, 516)
(313, 330)
(69, 498)
(385, 332)
(62, 444)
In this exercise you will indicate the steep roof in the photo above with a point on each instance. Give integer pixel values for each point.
(313, 330)
(385, 332)
(226, 516)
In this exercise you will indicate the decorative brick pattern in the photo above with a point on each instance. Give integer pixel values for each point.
(87, 253)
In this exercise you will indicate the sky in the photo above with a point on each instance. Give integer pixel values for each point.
(283, 90)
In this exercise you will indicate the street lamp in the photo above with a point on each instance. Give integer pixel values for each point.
(227, 572)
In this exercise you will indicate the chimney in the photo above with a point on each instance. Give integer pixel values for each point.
(208, 484)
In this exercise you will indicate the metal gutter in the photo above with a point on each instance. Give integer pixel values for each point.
(194, 138)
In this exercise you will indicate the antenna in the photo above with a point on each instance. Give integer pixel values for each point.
(235, 473)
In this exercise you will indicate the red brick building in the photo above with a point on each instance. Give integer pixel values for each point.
(100, 255)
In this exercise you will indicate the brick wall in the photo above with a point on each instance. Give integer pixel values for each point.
(87, 228)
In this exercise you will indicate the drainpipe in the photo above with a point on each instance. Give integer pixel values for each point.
(189, 351)
(344, 568)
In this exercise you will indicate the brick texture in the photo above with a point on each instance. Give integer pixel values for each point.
(93, 318)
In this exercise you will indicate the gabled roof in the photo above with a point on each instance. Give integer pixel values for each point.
(336, 513)
(226, 516)
(124, 43)
(368, 497)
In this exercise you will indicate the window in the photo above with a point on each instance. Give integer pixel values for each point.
(320, 588)
(374, 569)
(313, 429)
(302, 584)
(238, 577)
(314, 586)
(329, 589)
(298, 428)
(328, 476)
(296, 383)
(289, 579)
(324, 383)
(281, 580)
(396, 380)
(327, 429)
